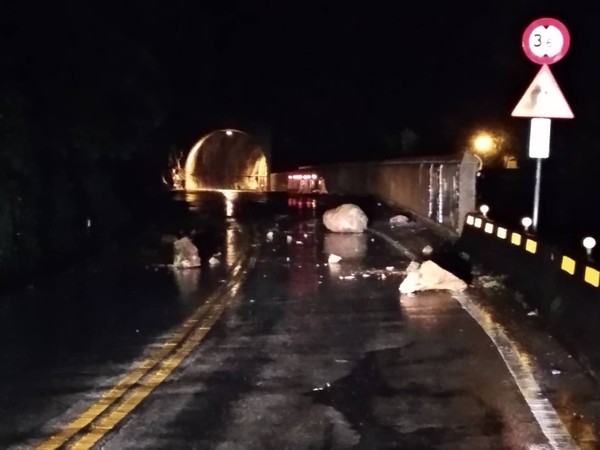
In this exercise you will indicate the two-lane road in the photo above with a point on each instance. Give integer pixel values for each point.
(278, 349)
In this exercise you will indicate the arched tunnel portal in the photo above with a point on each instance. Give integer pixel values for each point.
(227, 159)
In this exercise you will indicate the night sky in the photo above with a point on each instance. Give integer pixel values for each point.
(333, 81)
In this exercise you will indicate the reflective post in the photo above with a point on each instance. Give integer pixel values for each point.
(536, 194)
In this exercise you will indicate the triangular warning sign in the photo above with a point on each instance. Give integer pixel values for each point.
(543, 99)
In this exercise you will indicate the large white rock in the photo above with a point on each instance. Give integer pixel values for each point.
(185, 254)
(346, 218)
(430, 276)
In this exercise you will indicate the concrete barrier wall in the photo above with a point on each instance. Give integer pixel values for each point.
(441, 189)
(565, 289)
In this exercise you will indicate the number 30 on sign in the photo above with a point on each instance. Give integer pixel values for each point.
(546, 41)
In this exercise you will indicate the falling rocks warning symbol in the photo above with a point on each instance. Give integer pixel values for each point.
(543, 99)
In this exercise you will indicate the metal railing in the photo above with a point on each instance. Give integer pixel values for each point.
(440, 189)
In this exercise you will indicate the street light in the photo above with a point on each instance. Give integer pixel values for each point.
(484, 209)
(483, 143)
(229, 133)
(526, 222)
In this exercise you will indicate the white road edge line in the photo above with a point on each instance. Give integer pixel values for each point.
(541, 408)
(402, 249)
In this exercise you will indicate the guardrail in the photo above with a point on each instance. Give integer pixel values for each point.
(563, 288)
(581, 270)
(438, 188)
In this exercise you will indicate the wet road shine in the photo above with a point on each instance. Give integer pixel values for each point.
(279, 349)
(138, 384)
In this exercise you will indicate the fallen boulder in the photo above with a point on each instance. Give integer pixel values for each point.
(430, 276)
(346, 218)
(185, 254)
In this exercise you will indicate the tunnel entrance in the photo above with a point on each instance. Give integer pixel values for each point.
(226, 159)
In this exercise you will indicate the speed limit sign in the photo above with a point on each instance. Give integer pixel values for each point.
(546, 41)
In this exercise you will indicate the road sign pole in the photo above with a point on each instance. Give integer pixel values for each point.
(536, 194)
(545, 42)
(539, 148)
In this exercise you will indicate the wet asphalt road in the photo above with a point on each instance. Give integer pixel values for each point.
(279, 349)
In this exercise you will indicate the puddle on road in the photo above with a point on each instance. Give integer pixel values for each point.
(353, 395)
(367, 404)
(420, 410)
(348, 246)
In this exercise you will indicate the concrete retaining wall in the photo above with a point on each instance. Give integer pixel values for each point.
(564, 288)
(441, 189)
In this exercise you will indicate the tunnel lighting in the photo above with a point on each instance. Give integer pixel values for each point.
(253, 165)
(526, 222)
(230, 197)
(484, 209)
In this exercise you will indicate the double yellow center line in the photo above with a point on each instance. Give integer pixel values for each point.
(135, 386)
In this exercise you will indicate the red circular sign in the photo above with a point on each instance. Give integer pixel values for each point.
(546, 41)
